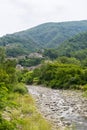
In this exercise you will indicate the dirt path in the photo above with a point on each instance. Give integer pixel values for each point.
(63, 108)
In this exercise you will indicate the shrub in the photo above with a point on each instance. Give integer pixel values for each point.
(20, 88)
(61, 76)
(28, 77)
(36, 80)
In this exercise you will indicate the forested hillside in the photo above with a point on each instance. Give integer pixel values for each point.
(48, 35)
(17, 45)
(74, 47)
(52, 34)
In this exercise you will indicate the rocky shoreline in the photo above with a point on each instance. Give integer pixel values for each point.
(61, 107)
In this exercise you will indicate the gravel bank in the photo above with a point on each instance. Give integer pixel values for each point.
(62, 107)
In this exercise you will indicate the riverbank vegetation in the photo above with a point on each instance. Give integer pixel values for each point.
(17, 108)
(63, 73)
(21, 114)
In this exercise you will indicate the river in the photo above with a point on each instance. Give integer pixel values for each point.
(61, 107)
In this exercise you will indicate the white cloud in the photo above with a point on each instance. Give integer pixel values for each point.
(17, 15)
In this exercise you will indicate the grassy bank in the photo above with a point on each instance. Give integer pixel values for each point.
(24, 115)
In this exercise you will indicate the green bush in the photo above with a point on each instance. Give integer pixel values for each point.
(28, 62)
(36, 80)
(61, 75)
(28, 77)
(20, 88)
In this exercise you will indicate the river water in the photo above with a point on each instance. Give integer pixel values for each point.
(62, 107)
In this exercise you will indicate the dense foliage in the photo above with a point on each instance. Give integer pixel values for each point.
(62, 76)
(16, 45)
(64, 73)
(28, 62)
(74, 46)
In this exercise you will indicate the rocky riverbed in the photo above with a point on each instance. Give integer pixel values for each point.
(61, 107)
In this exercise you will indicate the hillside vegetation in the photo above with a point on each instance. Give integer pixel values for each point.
(74, 47)
(18, 45)
(48, 35)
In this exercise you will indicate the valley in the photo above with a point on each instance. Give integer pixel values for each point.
(53, 55)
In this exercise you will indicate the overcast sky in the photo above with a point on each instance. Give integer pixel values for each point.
(17, 15)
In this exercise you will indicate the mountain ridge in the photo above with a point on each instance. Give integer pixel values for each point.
(47, 35)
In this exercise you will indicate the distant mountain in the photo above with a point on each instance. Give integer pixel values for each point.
(48, 35)
(52, 34)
